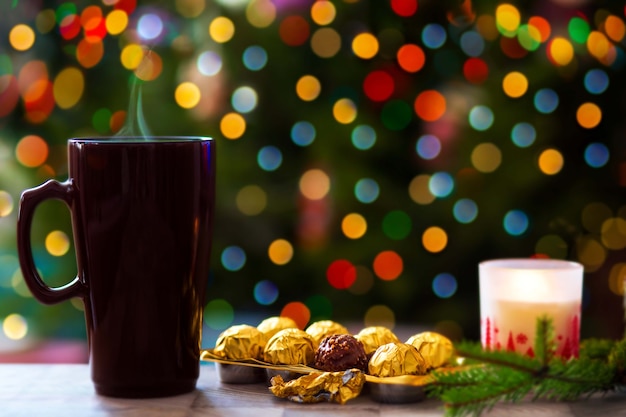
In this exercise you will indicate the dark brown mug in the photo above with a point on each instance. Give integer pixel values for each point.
(141, 211)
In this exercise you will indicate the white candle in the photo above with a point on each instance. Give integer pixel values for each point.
(515, 292)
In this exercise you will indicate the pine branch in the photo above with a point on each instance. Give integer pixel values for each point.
(544, 340)
(509, 376)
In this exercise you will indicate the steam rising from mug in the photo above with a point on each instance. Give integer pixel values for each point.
(135, 123)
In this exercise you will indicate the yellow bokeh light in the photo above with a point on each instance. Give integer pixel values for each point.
(22, 37)
(589, 115)
(314, 184)
(507, 19)
(434, 239)
(45, 20)
(190, 8)
(613, 234)
(187, 95)
(486, 26)
(251, 200)
(15, 326)
(365, 45)
(591, 253)
(323, 12)
(57, 243)
(550, 162)
(419, 190)
(379, 315)
(116, 22)
(326, 42)
(486, 157)
(222, 29)
(344, 111)
(308, 88)
(617, 278)
(19, 285)
(6, 203)
(68, 87)
(598, 45)
(261, 13)
(515, 84)
(594, 215)
(280, 252)
(233, 126)
(354, 226)
(561, 51)
(131, 56)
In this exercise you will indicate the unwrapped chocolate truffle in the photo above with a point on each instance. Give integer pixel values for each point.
(339, 352)
(435, 348)
(272, 325)
(320, 329)
(395, 359)
(375, 336)
(290, 347)
(240, 342)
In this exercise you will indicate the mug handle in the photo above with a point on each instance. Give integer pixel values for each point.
(29, 200)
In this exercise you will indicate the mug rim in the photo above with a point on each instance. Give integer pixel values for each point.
(135, 139)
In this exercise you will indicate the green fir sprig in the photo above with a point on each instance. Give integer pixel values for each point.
(494, 376)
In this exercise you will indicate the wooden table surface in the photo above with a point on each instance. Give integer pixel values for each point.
(66, 390)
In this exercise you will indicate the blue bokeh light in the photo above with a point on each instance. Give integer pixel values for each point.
(303, 133)
(233, 258)
(515, 222)
(366, 190)
(428, 146)
(441, 184)
(244, 99)
(546, 100)
(472, 43)
(434, 35)
(265, 292)
(444, 285)
(596, 155)
(465, 210)
(269, 158)
(363, 137)
(596, 81)
(149, 26)
(523, 134)
(481, 117)
(254, 58)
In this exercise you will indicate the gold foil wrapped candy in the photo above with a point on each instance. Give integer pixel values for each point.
(434, 347)
(316, 387)
(375, 336)
(272, 325)
(290, 347)
(240, 342)
(323, 328)
(395, 359)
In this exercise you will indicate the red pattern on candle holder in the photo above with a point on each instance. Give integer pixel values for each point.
(488, 340)
(510, 344)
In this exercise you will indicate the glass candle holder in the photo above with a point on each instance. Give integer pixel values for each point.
(514, 293)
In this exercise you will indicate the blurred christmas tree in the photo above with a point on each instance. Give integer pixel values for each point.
(371, 153)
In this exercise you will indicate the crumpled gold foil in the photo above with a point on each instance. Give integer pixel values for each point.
(240, 342)
(272, 325)
(395, 359)
(375, 336)
(316, 387)
(290, 347)
(320, 329)
(436, 349)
